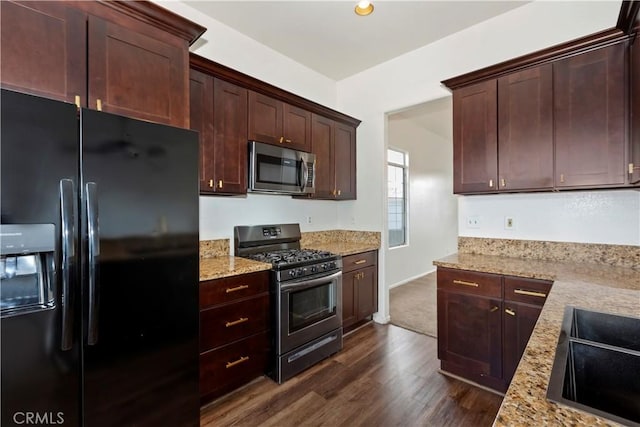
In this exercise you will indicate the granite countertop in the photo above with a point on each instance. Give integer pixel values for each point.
(594, 286)
(343, 248)
(225, 266)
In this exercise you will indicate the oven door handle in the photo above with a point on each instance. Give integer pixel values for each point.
(306, 284)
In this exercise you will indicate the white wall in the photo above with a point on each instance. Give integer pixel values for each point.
(226, 46)
(587, 217)
(415, 78)
(433, 209)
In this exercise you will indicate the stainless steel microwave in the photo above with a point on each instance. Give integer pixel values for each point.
(280, 170)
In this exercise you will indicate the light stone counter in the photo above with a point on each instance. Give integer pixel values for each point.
(344, 248)
(593, 286)
(225, 266)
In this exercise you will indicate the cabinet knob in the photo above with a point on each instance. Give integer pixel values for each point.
(510, 312)
(561, 177)
(77, 102)
(503, 182)
(211, 183)
(490, 183)
(494, 309)
(220, 184)
(339, 192)
(287, 140)
(281, 139)
(99, 104)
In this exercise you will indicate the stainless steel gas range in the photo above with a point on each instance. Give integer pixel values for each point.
(306, 289)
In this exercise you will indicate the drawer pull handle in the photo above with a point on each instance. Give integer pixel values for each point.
(237, 322)
(510, 312)
(237, 362)
(493, 309)
(237, 288)
(360, 261)
(530, 293)
(462, 282)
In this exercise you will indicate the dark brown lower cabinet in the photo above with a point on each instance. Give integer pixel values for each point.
(359, 289)
(519, 321)
(484, 323)
(234, 332)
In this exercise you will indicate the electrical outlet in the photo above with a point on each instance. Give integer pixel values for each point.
(509, 223)
(309, 220)
(473, 221)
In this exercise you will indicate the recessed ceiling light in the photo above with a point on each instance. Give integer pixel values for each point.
(364, 8)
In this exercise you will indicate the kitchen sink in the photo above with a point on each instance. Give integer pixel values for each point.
(597, 365)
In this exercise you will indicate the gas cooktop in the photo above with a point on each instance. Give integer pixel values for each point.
(290, 257)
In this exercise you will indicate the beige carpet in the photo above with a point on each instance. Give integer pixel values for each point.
(413, 305)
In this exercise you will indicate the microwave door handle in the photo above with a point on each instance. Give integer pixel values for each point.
(304, 171)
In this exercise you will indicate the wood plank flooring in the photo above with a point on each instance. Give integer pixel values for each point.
(384, 376)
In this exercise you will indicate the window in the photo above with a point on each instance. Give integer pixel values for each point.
(397, 164)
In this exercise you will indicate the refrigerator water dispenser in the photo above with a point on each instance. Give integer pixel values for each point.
(27, 268)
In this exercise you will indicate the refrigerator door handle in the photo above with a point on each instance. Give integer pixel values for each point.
(93, 230)
(68, 255)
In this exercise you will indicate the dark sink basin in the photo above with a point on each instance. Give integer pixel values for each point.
(597, 365)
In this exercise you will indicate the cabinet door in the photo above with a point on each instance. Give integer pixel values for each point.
(322, 145)
(230, 137)
(634, 154)
(519, 321)
(470, 332)
(348, 299)
(345, 161)
(137, 75)
(265, 118)
(589, 111)
(201, 120)
(367, 292)
(296, 127)
(43, 48)
(475, 141)
(525, 134)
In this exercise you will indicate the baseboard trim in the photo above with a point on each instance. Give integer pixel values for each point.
(473, 383)
(404, 282)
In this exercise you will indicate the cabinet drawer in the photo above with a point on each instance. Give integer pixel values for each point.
(229, 289)
(228, 367)
(470, 282)
(531, 291)
(231, 322)
(353, 262)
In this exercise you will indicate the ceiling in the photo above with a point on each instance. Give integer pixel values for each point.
(328, 37)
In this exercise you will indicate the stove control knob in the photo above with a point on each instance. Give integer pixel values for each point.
(323, 266)
(314, 268)
(300, 272)
(292, 273)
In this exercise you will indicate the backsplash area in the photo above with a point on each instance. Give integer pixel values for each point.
(312, 238)
(617, 255)
(214, 248)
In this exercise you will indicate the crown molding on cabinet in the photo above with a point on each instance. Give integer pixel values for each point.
(553, 53)
(629, 17)
(223, 72)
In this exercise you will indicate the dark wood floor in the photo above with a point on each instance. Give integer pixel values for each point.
(384, 376)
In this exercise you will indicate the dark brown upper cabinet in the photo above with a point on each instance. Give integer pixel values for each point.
(110, 56)
(334, 145)
(276, 122)
(44, 49)
(525, 129)
(219, 113)
(475, 143)
(345, 162)
(589, 113)
(563, 119)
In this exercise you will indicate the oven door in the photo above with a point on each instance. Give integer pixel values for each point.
(274, 169)
(308, 309)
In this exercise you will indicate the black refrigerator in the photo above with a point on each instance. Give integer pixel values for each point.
(98, 268)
